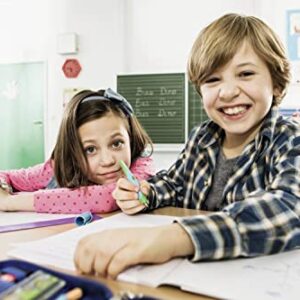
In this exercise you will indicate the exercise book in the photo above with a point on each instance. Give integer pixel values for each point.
(269, 277)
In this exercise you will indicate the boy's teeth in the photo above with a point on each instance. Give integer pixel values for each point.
(234, 110)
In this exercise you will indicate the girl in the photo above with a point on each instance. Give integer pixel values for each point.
(243, 164)
(97, 130)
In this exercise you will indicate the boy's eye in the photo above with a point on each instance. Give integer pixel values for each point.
(90, 150)
(117, 144)
(211, 80)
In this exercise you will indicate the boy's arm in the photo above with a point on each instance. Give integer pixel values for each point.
(167, 186)
(268, 221)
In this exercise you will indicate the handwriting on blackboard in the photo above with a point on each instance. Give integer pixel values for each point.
(158, 101)
(164, 102)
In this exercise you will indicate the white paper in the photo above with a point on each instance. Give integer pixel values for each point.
(274, 277)
(15, 218)
(58, 250)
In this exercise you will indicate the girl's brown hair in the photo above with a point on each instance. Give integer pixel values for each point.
(218, 42)
(70, 162)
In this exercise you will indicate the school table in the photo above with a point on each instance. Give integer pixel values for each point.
(164, 292)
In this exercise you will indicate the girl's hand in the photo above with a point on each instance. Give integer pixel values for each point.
(110, 252)
(4, 199)
(126, 195)
(16, 202)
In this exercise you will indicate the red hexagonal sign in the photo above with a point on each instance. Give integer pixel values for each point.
(71, 68)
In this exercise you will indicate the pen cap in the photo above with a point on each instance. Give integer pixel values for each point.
(84, 218)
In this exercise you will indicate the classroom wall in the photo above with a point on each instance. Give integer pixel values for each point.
(159, 35)
(276, 17)
(29, 31)
(116, 37)
(99, 26)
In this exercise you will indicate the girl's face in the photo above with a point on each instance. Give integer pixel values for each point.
(105, 141)
(238, 96)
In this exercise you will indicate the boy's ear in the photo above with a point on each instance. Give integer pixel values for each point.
(276, 92)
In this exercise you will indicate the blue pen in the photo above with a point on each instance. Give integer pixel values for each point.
(142, 198)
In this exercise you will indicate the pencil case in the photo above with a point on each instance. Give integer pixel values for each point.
(21, 280)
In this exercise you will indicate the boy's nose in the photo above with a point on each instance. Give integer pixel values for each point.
(228, 91)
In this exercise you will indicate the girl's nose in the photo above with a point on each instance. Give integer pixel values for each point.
(106, 158)
(228, 91)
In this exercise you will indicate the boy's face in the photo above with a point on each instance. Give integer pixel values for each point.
(105, 141)
(238, 96)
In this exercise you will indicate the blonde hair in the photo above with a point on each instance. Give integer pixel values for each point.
(218, 42)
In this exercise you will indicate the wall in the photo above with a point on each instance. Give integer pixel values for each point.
(276, 17)
(159, 35)
(116, 37)
(99, 25)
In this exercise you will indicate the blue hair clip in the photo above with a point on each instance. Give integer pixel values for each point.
(114, 97)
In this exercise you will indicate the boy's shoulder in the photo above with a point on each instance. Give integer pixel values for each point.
(286, 131)
(288, 125)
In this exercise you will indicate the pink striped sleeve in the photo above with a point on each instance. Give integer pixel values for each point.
(95, 198)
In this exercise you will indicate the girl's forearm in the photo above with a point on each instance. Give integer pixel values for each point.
(19, 202)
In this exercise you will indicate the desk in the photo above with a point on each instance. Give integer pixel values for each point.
(116, 286)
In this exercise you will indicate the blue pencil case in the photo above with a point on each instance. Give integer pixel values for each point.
(21, 280)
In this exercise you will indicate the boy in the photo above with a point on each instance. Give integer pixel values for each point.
(244, 163)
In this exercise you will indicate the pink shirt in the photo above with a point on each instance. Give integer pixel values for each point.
(94, 198)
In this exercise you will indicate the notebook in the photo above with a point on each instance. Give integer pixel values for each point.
(269, 277)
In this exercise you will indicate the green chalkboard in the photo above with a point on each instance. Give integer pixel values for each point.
(196, 112)
(159, 103)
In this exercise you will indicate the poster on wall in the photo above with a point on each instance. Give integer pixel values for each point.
(293, 43)
(293, 34)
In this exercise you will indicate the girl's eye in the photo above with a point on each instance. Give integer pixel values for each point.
(90, 150)
(117, 144)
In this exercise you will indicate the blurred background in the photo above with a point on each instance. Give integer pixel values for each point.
(50, 49)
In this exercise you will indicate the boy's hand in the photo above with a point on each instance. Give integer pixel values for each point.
(110, 252)
(126, 195)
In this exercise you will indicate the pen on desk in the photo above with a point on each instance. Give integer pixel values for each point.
(73, 294)
(142, 198)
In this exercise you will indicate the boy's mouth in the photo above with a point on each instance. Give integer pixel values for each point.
(234, 111)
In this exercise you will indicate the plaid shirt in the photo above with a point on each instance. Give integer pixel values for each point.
(261, 200)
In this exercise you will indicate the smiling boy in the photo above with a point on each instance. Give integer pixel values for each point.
(243, 164)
